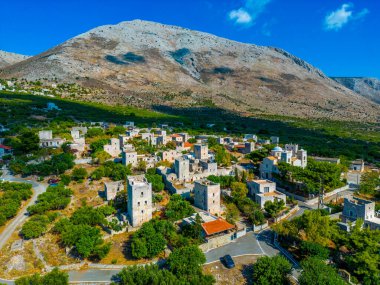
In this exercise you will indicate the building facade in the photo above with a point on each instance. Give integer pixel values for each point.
(207, 196)
(139, 204)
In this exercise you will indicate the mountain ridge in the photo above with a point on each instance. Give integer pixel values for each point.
(10, 58)
(148, 64)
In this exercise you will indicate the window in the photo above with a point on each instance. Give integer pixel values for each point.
(142, 194)
(142, 211)
(138, 204)
(266, 189)
(146, 202)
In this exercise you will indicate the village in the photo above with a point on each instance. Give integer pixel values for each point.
(222, 188)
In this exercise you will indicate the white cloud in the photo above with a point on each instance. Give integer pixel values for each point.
(247, 14)
(337, 19)
(240, 16)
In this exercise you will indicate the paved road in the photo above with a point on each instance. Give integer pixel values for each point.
(92, 275)
(251, 243)
(21, 216)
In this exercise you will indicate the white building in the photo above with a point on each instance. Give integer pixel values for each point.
(129, 157)
(170, 155)
(263, 191)
(139, 200)
(47, 140)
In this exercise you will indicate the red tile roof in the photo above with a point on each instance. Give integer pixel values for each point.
(175, 136)
(216, 226)
(5, 147)
(187, 144)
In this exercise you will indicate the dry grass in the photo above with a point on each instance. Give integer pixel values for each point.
(240, 275)
(32, 264)
(120, 251)
(53, 254)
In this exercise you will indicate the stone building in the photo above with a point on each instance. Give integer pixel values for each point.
(207, 196)
(139, 204)
(182, 168)
(112, 188)
(113, 148)
(200, 151)
(129, 157)
(360, 209)
(170, 155)
(47, 140)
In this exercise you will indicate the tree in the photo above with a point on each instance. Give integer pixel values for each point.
(35, 227)
(232, 213)
(147, 275)
(29, 142)
(312, 249)
(369, 182)
(157, 182)
(186, 261)
(239, 190)
(275, 207)
(79, 174)
(315, 271)
(141, 166)
(55, 277)
(178, 208)
(271, 270)
(139, 249)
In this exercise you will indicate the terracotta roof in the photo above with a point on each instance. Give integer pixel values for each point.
(5, 147)
(216, 226)
(187, 144)
(240, 146)
(175, 136)
(271, 158)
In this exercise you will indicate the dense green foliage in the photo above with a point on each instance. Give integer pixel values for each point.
(156, 180)
(316, 271)
(151, 238)
(58, 164)
(115, 171)
(184, 266)
(55, 198)
(26, 142)
(80, 231)
(35, 226)
(315, 175)
(79, 174)
(178, 208)
(224, 181)
(55, 277)
(271, 270)
(312, 249)
(369, 182)
(361, 256)
(11, 196)
(275, 207)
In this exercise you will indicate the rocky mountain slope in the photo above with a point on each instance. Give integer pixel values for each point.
(9, 58)
(367, 87)
(148, 64)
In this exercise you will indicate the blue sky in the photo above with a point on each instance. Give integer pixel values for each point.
(340, 37)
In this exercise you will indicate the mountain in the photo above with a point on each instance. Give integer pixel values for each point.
(150, 65)
(9, 58)
(365, 86)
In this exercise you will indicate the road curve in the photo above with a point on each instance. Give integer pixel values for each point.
(21, 215)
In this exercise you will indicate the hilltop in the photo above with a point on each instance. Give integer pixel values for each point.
(152, 65)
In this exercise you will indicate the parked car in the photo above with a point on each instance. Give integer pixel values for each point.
(53, 181)
(228, 261)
